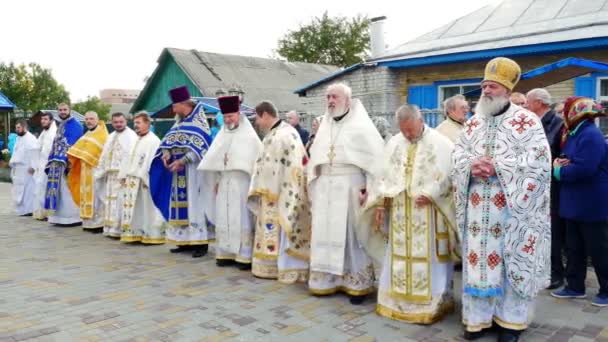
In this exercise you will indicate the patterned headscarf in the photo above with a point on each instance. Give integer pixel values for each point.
(576, 110)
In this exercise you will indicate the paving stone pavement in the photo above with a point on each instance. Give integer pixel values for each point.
(64, 284)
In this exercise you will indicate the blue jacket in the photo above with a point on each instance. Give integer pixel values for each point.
(584, 183)
(552, 125)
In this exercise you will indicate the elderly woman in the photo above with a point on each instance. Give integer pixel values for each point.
(316, 122)
(582, 170)
(383, 127)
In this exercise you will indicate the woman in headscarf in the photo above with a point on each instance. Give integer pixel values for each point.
(582, 170)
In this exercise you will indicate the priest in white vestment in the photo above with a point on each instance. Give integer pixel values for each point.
(278, 198)
(113, 158)
(23, 165)
(45, 144)
(502, 166)
(341, 168)
(413, 205)
(58, 201)
(140, 220)
(227, 168)
(456, 109)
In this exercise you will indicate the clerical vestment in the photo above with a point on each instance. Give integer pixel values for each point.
(227, 167)
(60, 206)
(180, 196)
(87, 193)
(45, 143)
(23, 159)
(450, 128)
(416, 279)
(140, 218)
(278, 198)
(504, 220)
(343, 164)
(113, 158)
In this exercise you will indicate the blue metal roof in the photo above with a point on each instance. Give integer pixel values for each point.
(513, 51)
(556, 72)
(210, 105)
(5, 103)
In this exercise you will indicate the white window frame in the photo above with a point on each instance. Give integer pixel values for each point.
(461, 85)
(599, 89)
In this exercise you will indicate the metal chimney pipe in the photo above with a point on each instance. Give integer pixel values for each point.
(377, 36)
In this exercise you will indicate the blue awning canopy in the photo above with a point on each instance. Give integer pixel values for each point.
(553, 73)
(210, 105)
(6, 103)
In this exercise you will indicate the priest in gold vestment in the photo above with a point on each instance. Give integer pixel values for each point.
(412, 205)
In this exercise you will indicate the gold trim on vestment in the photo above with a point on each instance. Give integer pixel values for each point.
(268, 257)
(417, 318)
(271, 271)
(266, 194)
(179, 223)
(179, 204)
(408, 260)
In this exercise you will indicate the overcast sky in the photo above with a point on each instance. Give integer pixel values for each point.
(91, 45)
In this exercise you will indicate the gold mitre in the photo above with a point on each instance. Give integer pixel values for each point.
(504, 71)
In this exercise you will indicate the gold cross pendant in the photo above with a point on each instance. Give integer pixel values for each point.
(331, 154)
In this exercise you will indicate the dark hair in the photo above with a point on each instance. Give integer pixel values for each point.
(118, 114)
(266, 107)
(144, 116)
(50, 116)
(23, 123)
(64, 104)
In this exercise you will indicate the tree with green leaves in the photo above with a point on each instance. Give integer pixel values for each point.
(335, 41)
(31, 87)
(93, 103)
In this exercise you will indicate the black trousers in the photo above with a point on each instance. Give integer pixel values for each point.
(586, 239)
(558, 238)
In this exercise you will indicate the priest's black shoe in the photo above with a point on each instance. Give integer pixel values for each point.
(555, 284)
(200, 251)
(224, 262)
(243, 267)
(357, 300)
(473, 335)
(508, 335)
(180, 249)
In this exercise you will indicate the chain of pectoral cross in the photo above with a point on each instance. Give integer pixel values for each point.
(332, 140)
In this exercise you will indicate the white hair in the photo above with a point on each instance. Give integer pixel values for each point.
(540, 94)
(93, 113)
(408, 112)
(450, 104)
(341, 87)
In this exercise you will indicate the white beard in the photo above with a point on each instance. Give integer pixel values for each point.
(336, 111)
(232, 127)
(488, 106)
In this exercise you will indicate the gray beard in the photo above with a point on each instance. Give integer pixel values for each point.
(487, 106)
(232, 127)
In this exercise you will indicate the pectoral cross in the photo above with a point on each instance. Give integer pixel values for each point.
(331, 154)
(225, 159)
